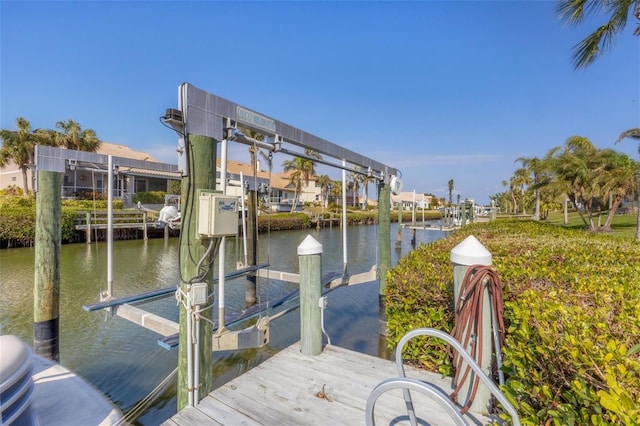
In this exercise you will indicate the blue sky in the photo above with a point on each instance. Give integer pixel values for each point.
(438, 89)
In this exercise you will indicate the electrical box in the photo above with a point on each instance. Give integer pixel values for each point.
(199, 293)
(217, 215)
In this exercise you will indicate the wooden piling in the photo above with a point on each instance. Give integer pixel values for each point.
(399, 240)
(471, 252)
(252, 247)
(384, 249)
(46, 301)
(310, 261)
(144, 226)
(88, 230)
(201, 151)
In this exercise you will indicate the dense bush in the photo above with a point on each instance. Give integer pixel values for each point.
(283, 221)
(17, 227)
(152, 197)
(8, 202)
(18, 214)
(572, 313)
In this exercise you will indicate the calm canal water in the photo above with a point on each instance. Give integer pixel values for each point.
(125, 362)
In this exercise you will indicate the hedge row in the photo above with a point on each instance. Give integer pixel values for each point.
(572, 313)
(18, 219)
(18, 226)
(283, 221)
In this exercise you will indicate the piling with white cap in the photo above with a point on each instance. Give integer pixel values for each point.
(471, 252)
(310, 261)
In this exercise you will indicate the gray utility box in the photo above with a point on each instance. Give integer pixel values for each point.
(217, 215)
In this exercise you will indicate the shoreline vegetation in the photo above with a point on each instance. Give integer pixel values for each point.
(571, 312)
(571, 304)
(17, 220)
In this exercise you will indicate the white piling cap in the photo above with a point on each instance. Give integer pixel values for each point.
(470, 252)
(309, 246)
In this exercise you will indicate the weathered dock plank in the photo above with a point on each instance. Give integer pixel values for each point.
(331, 388)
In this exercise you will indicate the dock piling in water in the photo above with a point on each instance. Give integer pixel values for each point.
(46, 300)
(310, 259)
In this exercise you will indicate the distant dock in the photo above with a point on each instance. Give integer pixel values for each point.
(327, 389)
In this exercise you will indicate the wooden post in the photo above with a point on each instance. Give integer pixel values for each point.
(46, 300)
(384, 250)
(471, 252)
(399, 240)
(202, 157)
(462, 212)
(144, 225)
(310, 260)
(88, 228)
(252, 246)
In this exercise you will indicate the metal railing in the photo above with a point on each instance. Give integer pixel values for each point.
(407, 384)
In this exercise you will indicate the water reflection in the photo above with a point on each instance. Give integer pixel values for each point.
(124, 361)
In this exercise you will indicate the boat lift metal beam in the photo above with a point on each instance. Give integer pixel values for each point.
(163, 292)
(206, 114)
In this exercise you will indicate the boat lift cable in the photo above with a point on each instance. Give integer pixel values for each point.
(137, 409)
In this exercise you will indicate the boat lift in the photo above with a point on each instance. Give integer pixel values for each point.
(209, 116)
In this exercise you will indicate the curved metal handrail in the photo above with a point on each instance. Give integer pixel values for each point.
(432, 332)
(406, 383)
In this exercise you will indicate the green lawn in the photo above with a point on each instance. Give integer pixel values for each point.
(624, 225)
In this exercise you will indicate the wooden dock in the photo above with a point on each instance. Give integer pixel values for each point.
(328, 389)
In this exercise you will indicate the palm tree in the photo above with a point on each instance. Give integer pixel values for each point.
(323, 182)
(357, 180)
(521, 179)
(365, 189)
(511, 183)
(534, 167)
(301, 170)
(631, 134)
(450, 185)
(73, 137)
(17, 146)
(634, 134)
(603, 38)
(336, 189)
(618, 179)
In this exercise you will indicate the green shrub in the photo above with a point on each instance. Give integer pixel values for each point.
(152, 197)
(17, 227)
(283, 221)
(91, 205)
(10, 201)
(11, 190)
(572, 313)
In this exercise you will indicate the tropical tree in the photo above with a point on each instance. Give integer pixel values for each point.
(365, 190)
(576, 165)
(74, 137)
(631, 134)
(336, 189)
(634, 134)
(357, 180)
(450, 185)
(602, 39)
(324, 181)
(522, 180)
(17, 146)
(511, 184)
(300, 172)
(618, 179)
(535, 169)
